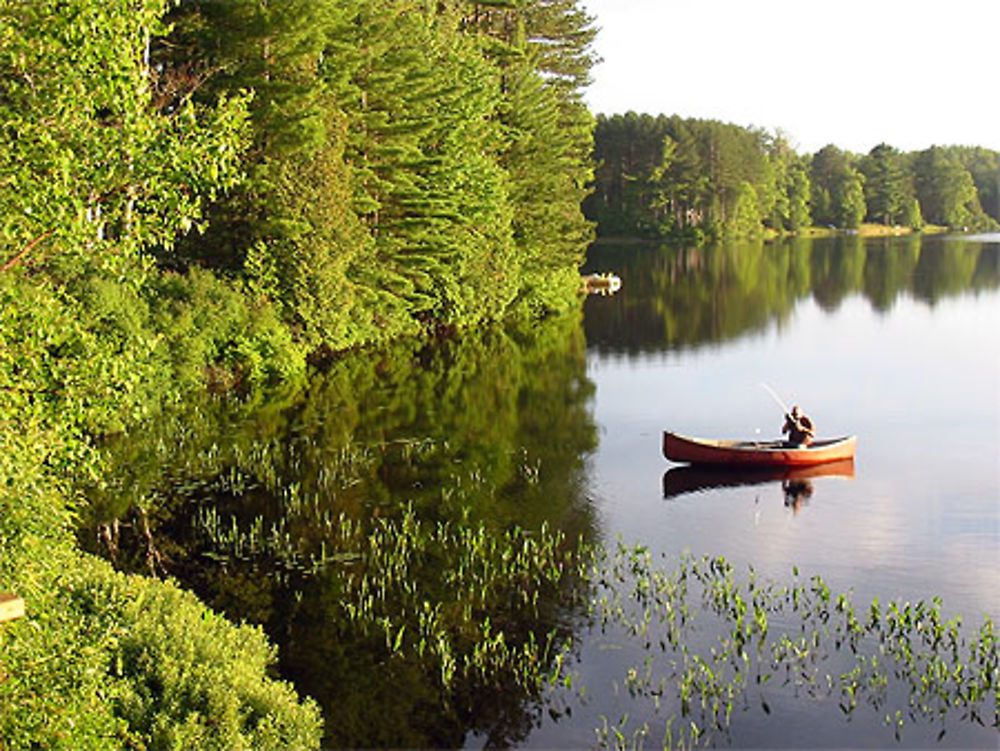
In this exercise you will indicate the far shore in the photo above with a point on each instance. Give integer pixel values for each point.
(865, 230)
(873, 230)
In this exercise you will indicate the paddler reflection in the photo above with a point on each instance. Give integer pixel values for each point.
(797, 492)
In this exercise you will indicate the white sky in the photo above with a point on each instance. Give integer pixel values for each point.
(855, 73)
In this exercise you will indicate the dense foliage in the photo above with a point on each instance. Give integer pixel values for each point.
(668, 176)
(410, 163)
(200, 192)
(104, 660)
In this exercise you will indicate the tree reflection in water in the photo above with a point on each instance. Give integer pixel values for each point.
(404, 528)
(684, 298)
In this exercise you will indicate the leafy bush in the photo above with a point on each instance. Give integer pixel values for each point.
(190, 679)
(104, 660)
(207, 323)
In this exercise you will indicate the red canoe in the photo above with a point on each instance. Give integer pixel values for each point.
(680, 448)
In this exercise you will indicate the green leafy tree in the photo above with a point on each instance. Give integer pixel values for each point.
(912, 217)
(946, 190)
(838, 189)
(94, 175)
(799, 195)
(790, 205)
(93, 171)
(849, 198)
(745, 216)
(984, 166)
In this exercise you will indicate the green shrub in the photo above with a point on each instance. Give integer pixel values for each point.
(191, 679)
(211, 327)
(105, 660)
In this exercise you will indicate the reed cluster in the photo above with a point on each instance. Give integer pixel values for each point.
(714, 642)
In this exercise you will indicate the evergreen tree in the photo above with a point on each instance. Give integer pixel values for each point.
(541, 48)
(427, 182)
(416, 161)
(290, 227)
(684, 185)
(887, 192)
(632, 173)
(661, 176)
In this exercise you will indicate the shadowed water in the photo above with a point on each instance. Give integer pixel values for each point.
(368, 520)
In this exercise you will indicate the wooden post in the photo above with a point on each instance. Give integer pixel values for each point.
(11, 607)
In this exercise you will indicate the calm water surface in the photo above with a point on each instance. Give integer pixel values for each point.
(894, 340)
(916, 378)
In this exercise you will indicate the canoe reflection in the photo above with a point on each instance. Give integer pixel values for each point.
(795, 481)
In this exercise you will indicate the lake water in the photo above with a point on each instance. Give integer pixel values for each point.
(894, 340)
(913, 369)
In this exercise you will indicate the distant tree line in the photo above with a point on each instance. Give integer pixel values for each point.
(670, 176)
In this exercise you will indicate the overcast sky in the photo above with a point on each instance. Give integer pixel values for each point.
(855, 73)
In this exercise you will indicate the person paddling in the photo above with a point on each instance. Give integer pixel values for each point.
(799, 428)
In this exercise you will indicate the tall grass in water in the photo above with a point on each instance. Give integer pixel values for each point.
(474, 621)
(715, 643)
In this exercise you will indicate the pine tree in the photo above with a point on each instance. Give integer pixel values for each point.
(887, 192)
(290, 227)
(541, 49)
(425, 142)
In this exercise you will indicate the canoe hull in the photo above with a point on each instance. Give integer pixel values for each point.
(678, 448)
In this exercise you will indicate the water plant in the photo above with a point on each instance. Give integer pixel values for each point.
(714, 642)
